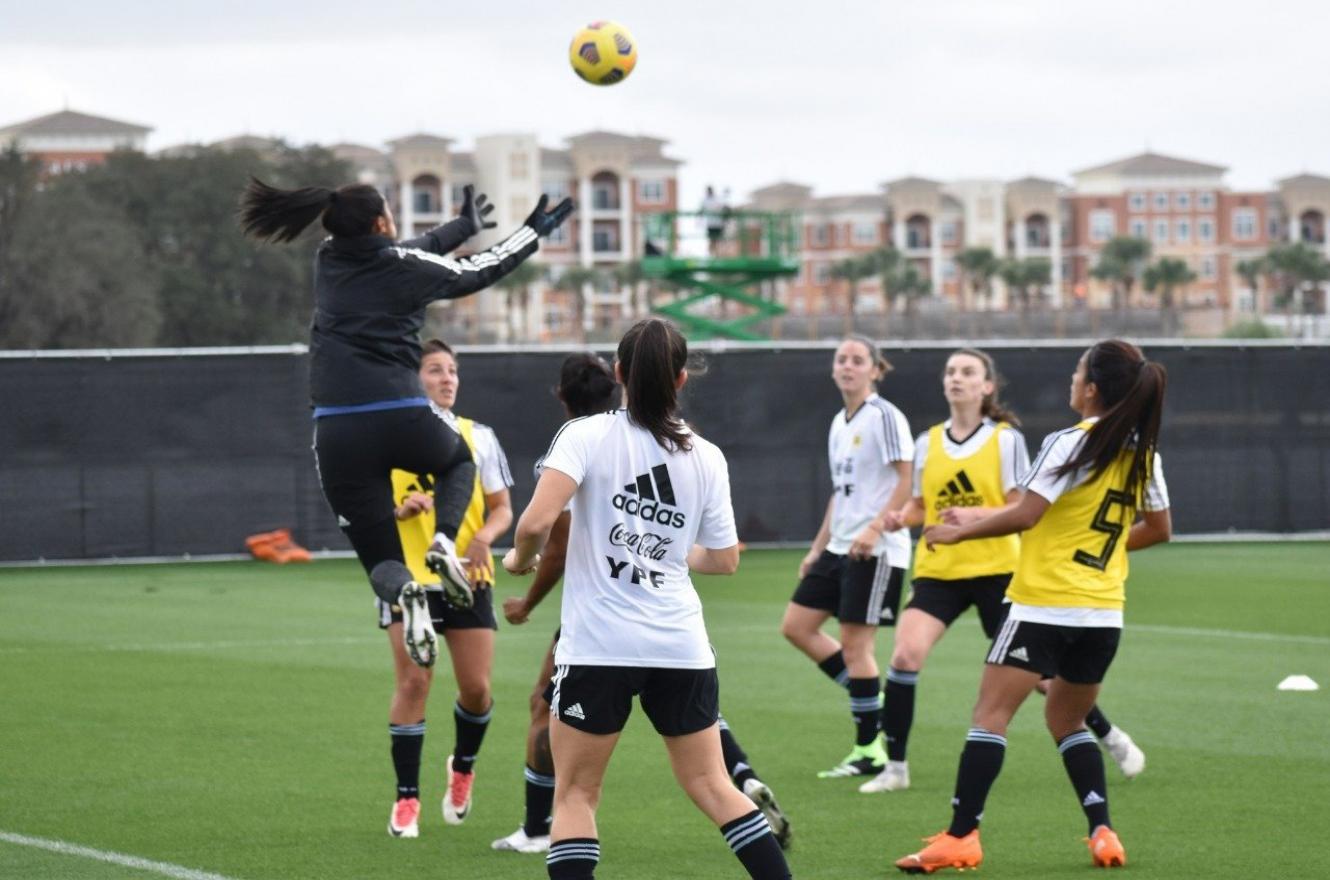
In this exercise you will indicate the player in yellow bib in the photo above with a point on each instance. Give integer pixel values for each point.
(1079, 516)
(964, 469)
(469, 632)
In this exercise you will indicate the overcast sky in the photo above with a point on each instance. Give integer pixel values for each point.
(838, 95)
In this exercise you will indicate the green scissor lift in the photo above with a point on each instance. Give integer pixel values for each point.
(762, 247)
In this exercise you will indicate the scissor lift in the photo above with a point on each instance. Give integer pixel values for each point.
(757, 247)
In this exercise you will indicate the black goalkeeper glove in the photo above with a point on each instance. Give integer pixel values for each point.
(544, 222)
(476, 208)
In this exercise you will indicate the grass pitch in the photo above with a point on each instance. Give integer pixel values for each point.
(231, 718)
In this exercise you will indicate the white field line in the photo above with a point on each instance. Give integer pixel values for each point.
(166, 869)
(1227, 634)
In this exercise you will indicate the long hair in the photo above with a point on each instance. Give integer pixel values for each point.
(586, 385)
(880, 362)
(1132, 390)
(992, 406)
(651, 355)
(279, 215)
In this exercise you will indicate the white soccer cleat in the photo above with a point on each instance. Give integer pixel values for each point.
(519, 841)
(441, 558)
(457, 801)
(1125, 753)
(760, 794)
(894, 777)
(402, 821)
(422, 643)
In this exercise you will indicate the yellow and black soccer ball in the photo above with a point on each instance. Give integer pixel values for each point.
(603, 53)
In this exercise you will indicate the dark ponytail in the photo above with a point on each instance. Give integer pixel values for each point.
(992, 406)
(651, 355)
(1132, 390)
(279, 215)
(586, 385)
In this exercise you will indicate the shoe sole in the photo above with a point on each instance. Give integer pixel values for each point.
(404, 833)
(456, 585)
(422, 643)
(766, 804)
(921, 869)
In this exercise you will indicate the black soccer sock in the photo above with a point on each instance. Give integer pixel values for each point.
(573, 859)
(866, 708)
(834, 668)
(1098, 722)
(981, 762)
(1085, 767)
(539, 803)
(408, 740)
(387, 579)
(736, 760)
(750, 839)
(898, 710)
(470, 733)
(453, 490)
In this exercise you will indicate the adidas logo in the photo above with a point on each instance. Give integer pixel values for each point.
(343, 522)
(575, 711)
(1019, 654)
(959, 492)
(650, 497)
(1091, 799)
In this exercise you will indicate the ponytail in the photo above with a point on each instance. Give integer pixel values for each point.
(1132, 390)
(279, 215)
(992, 406)
(651, 355)
(586, 385)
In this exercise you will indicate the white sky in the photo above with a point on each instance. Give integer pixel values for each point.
(839, 95)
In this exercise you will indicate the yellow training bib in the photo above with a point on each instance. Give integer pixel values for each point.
(975, 481)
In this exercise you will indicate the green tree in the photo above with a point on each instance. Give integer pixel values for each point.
(978, 267)
(575, 280)
(1252, 271)
(1120, 264)
(18, 185)
(1025, 279)
(1295, 270)
(1166, 276)
(516, 286)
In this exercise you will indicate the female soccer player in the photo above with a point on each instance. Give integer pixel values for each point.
(966, 468)
(469, 632)
(586, 387)
(857, 562)
(370, 414)
(650, 501)
(1081, 500)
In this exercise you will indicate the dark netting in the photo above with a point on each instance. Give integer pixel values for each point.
(175, 454)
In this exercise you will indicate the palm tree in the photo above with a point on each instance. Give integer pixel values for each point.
(1120, 263)
(904, 281)
(517, 285)
(575, 280)
(630, 275)
(978, 267)
(852, 270)
(1293, 267)
(1166, 275)
(1251, 272)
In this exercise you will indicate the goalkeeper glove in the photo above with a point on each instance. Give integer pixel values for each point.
(544, 222)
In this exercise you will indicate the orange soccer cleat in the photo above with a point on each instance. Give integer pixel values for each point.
(276, 546)
(1106, 849)
(944, 851)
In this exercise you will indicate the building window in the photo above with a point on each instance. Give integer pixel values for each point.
(1272, 228)
(1161, 201)
(1103, 223)
(819, 237)
(865, 233)
(1205, 229)
(651, 192)
(519, 166)
(1161, 232)
(1136, 201)
(1182, 201)
(422, 202)
(556, 190)
(559, 235)
(1244, 224)
(948, 270)
(605, 239)
(1209, 268)
(1183, 231)
(1136, 228)
(948, 233)
(821, 273)
(1205, 201)
(837, 234)
(459, 195)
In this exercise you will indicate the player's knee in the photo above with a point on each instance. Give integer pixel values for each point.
(474, 697)
(795, 633)
(414, 685)
(908, 658)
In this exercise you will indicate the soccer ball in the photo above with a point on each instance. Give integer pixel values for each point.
(603, 53)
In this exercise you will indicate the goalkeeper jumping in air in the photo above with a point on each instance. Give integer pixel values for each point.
(370, 412)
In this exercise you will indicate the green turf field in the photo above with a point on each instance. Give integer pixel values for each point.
(231, 718)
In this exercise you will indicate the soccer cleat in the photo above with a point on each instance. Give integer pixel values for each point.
(1125, 753)
(1106, 849)
(402, 822)
(441, 558)
(944, 851)
(457, 802)
(520, 841)
(762, 798)
(863, 761)
(894, 777)
(417, 628)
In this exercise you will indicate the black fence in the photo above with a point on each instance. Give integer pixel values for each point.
(127, 454)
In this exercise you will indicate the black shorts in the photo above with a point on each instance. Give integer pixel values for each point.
(446, 616)
(599, 699)
(854, 590)
(1078, 654)
(947, 600)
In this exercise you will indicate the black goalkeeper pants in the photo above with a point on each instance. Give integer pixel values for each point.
(356, 454)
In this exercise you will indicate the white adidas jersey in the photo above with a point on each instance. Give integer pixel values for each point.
(862, 449)
(628, 599)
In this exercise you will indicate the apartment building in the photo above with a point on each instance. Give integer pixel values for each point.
(72, 141)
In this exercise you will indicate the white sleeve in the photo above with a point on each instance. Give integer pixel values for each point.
(1058, 449)
(1156, 491)
(897, 441)
(920, 459)
(1015, 457)
(494, 474)
(570, 451)
(716, 530)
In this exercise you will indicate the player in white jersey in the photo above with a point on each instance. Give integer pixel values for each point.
(856, 565)
(650, 502)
